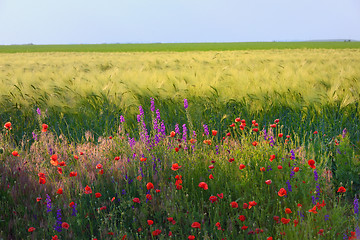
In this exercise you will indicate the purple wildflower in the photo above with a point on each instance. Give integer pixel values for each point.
(356, 206)
(185, 103)
(152, 108)
(292, 157)
(268, 168)
(177, 130)
(58, 226)
(206, 129)
(122, 119)
(48, 203)
(141, 111)
(138, 118)
(316, 175)
(38, 111)
(217, 149)
(344, 133)
(326, 218)
(34, 136)
(265, 134)
(289, 186)
(74, 211)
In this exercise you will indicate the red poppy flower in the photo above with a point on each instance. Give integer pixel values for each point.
(59, 191)
(172, 134)
(273, 125)
(101, 172)
(269, 238)
(71, 204)
(244, 227)
(191, 237)
(44, 127)
(211, 166)
(62, 163)
(299, 205)
(255, 129)
(242, 166)
(175, 167)
(272, 157)
(149, 186)
(296, 222)
(296, 169)
(211, 176)
(315, 132)
(341, 190)
(232, 125)
(117, 158)
(8, 126)
(38, 199)
(252, 204)
(281, 135)
(313, 210)
(31, 229)
(288, 211)
(59, 169)
(156, 232)
(276, 219)
(268, 182)
(143, 159)
(228, 134)
(245, 206)
(88, 190)
(99, 166)
(178, 187)
(242, 218)
(136, 200)
(15, 153)
(42, 180)
(280, 167)
(150, 222)
(262, 169)
(157, 190)
(176, 150)
(97, 195)
(110, 233)
(234, 204)
(255, 143)
(203, 185)
(242, 127)
(231, 160)
(220, 195)
(81, 153)
(214, 132)
(196, 225)
(65, 225)
(285, 221)
(53, 160)
(76, 157)
(55, 238)
(276, 121)
(148, 197)
(282, 192)
(311, 163)
(73, 174)
(213, 199)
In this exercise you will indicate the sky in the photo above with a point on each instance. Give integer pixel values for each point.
(169, 21)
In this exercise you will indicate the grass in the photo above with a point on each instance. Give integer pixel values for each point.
(177, 47)
(137, 182)
(317, 88)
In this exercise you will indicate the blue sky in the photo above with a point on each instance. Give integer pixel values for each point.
(145, 21)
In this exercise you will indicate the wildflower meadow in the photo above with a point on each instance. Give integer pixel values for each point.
(180, 145)
(253, 182)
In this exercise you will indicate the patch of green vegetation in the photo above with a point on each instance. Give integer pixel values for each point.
(177, 47)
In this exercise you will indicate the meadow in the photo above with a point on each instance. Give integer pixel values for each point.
(250, 144)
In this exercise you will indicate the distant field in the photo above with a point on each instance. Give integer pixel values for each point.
(177, 47)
